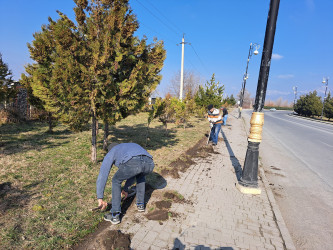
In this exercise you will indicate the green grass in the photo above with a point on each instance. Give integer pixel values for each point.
(52, 181)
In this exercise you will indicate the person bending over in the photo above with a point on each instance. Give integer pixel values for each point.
(133, 163)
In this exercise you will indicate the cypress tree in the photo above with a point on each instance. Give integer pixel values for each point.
(96, 68)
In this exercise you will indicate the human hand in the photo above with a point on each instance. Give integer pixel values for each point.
(124, 194)
(102, 204)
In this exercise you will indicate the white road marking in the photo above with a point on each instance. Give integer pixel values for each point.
(307, 126)
(300, 159)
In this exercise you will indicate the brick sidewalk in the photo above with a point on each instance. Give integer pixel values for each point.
(220, 217)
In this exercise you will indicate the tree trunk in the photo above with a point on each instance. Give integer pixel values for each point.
(97, 127)
(166, 128)
(93, 139)
(106, 134)
(49, 118)
(147, 134)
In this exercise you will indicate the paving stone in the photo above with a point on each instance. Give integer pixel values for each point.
(160, 243)
(150, 237)
(143, 246)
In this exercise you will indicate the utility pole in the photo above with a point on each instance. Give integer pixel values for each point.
(182, 70)
(249, 181)
(295, 93)
(325, 81)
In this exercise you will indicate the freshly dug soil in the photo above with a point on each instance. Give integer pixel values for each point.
(172, 196)
(160, 215)
(173, 172)
(199, 150)
(104, 239)
(116, 240)
(163, 204)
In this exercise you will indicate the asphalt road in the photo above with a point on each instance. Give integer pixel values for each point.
(297, 155)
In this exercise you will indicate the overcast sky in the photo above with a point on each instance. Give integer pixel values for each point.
(219, 33)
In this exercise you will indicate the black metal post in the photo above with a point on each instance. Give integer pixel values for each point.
(245, 75)
(322, 111)
(295, 93)
(245, 78)
(250, 171)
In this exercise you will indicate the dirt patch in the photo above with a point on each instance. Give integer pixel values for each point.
(176, 198)
(172, 196)
(159, 214)
(117, 240)
(275, 168)
(161, 208)
(163, 204)
(136, 220)
(199, 150)
(173, 172)
(109, 239)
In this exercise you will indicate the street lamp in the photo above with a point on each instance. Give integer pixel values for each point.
(325, 81)
(248, 182)
(253, 50)
(295, 93)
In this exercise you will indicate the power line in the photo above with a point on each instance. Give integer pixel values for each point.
(157, 32)
(174, 25)
(158, 18)
(199, 58)
(193, 65)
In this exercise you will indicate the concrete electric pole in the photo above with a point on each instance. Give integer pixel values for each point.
(182, 71)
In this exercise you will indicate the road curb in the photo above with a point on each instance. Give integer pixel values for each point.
(311, 119)
(285, 235)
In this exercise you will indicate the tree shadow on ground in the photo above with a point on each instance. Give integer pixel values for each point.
(178, 245)
(15, 140)
(235, 163)
(14, 197)
(158, 137)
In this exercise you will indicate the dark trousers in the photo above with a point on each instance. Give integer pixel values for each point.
(134, 169)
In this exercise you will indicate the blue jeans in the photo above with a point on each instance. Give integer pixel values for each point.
(225, 120)
(214, 132)
(136, 168)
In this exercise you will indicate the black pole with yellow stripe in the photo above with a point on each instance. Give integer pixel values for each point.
(249, 180)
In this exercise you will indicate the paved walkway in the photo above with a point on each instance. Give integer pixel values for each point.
(220, 217)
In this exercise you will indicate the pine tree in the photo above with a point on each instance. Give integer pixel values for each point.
(230, 100)
(7, 84)
(211, 94)
(96, 69)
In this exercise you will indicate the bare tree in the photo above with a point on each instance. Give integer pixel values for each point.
(280, 102)
(191, 84)
(247, 100)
